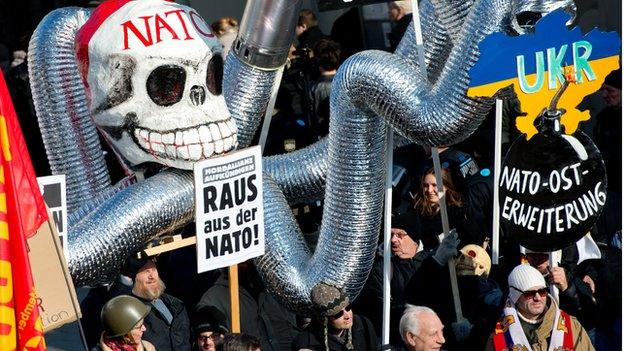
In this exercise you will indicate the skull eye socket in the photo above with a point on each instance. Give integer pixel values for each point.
(472, 254)
(214, 77)
(165, 85)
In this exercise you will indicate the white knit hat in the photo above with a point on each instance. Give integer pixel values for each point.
(522, 278)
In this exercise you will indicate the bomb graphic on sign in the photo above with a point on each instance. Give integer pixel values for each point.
(552, 187)
(552, 184)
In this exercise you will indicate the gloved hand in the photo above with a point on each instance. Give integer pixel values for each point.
(462, 329)
(447, 248)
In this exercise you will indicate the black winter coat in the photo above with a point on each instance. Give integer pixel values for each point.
(431, 226)
(175, 336)
(363, 339)
(481, 301)
(260, 314)
(370, 301)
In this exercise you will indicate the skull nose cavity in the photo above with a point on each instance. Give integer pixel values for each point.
(198, 95)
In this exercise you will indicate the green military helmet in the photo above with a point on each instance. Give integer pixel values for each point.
(121, 314)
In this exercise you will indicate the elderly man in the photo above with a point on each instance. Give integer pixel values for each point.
(407, 256)
(168, 326)
(421, 329)
(532, 320)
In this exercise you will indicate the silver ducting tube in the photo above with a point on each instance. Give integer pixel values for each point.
(442, 114)
(438, 43)
(81, 212)
(60, 100)
(285, 249)
(261, 47)
(266, 32)
(301, 174)
(247, 91)
(370, 88)
(353, 200)
(100, 242)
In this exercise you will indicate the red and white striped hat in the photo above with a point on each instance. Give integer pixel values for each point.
(142, 29)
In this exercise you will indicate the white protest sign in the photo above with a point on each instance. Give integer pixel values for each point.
(54, 193)
(229, 216)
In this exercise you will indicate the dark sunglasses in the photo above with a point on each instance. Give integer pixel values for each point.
(530, 293)
(341, 313)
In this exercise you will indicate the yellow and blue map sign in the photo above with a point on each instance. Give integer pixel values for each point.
(536, 65)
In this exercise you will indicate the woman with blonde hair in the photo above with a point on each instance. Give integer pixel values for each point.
(226, 29)
(427, 212)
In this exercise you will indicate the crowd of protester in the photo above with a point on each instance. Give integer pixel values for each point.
(137, 312)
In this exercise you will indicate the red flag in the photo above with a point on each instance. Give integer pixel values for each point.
(22, 211)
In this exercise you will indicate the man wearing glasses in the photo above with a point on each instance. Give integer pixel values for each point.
(532, 320)
(209, 328)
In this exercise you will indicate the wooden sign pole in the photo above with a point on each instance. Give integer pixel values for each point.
(234, 302)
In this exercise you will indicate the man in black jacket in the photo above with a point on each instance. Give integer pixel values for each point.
(406, 259)
(307, 30)
(261, 315)
(575, 288)
(167, 324)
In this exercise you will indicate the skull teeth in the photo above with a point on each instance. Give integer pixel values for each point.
(191, 144)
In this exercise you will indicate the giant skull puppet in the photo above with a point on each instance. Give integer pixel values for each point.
(371, 90)
(153, 73)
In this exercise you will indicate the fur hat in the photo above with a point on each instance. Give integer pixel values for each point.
(209, 318)
(133, 265)
(409, 223)
(522, 278)
(328, 299)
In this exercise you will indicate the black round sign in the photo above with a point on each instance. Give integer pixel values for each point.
(552, 188)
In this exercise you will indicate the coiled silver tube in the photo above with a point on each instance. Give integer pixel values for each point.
(69, 135)
(300, 174)
(101, 241)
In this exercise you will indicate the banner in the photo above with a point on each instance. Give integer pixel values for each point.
(552, 185)
(229, 215)
(56, 296)
(22, 211)
(536, 65)
(53, 189)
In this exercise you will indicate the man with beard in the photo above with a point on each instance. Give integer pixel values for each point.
(168, 326)
(532, 320)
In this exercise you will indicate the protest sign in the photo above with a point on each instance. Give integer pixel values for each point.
(552, 189)
(56, 297)
(536, 65)
(53, 189)
(552, 184)
(229, 216)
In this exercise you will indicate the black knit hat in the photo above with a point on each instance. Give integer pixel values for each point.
(614, 79)
(209, 318)
(409, 223)
(329, 299)
(133, 265)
